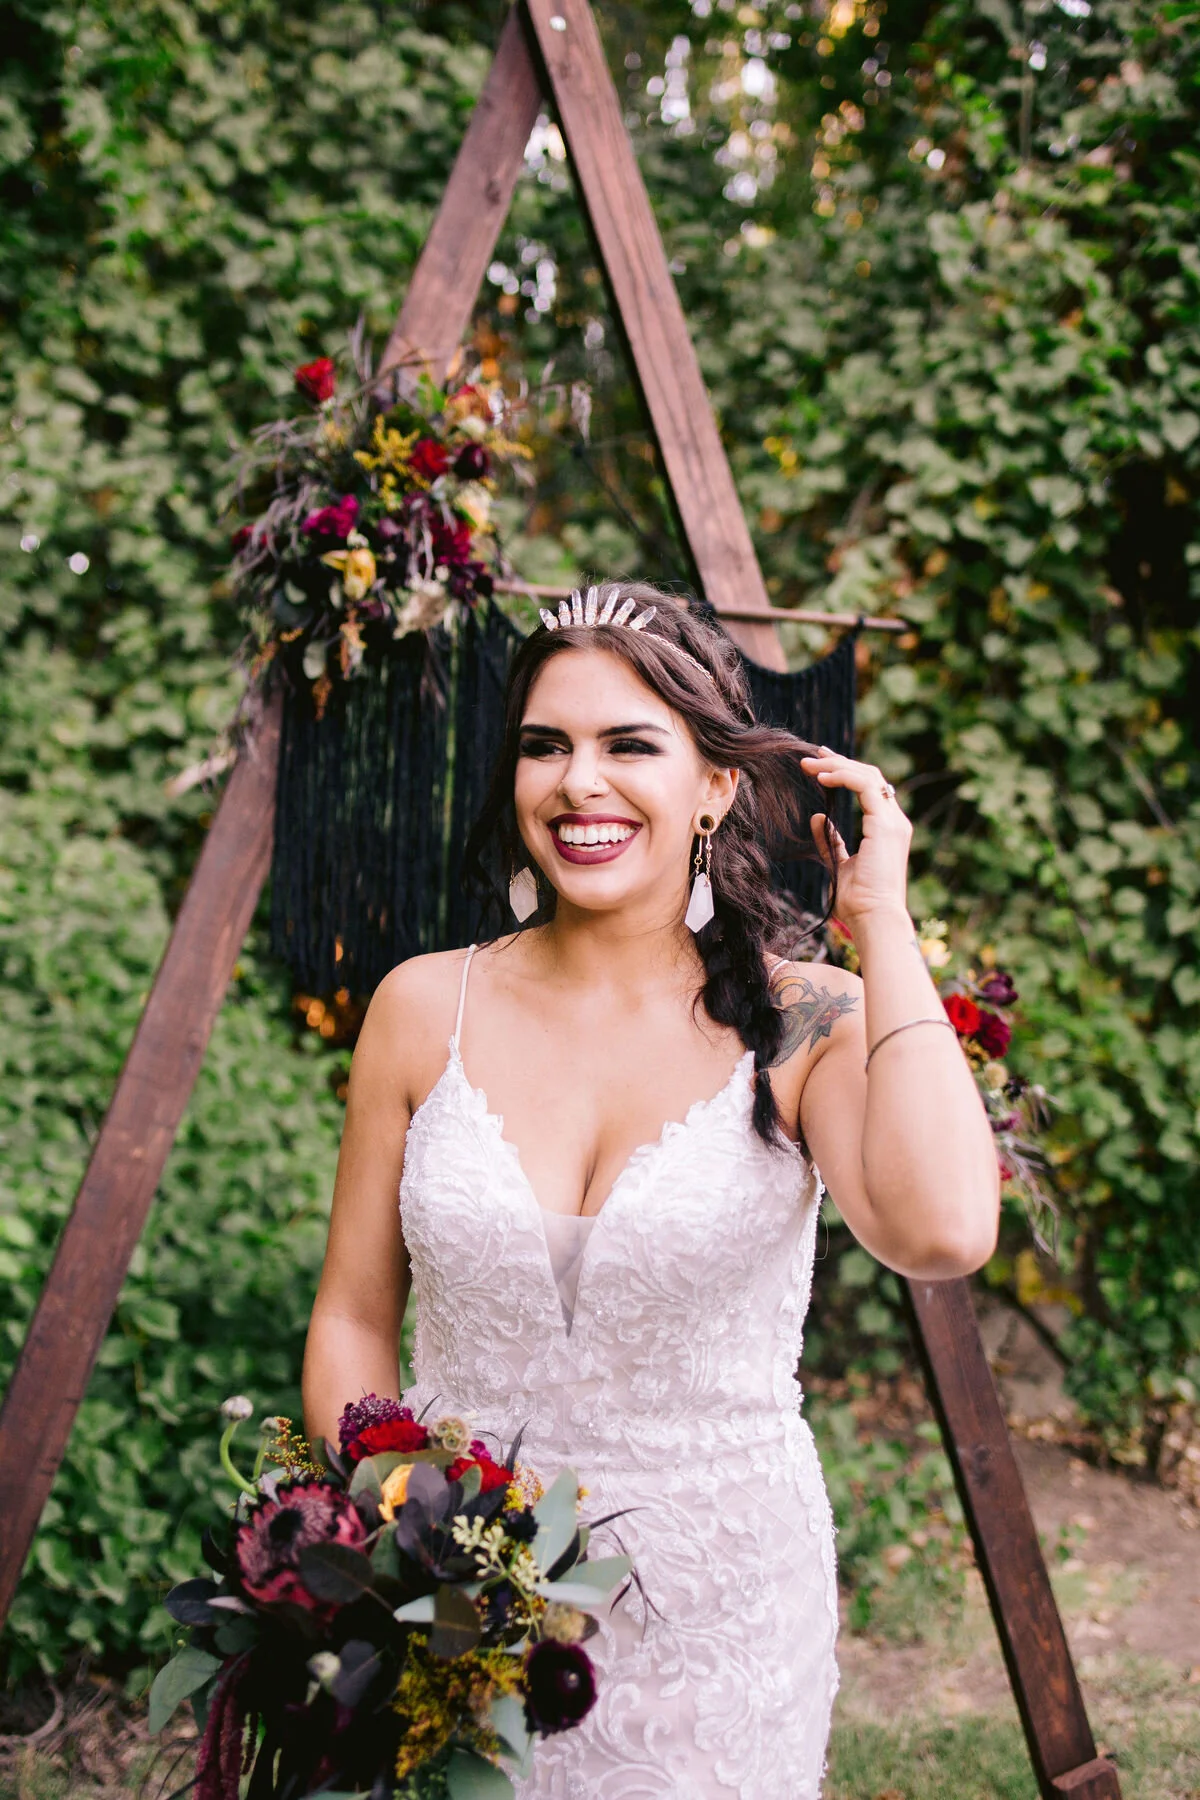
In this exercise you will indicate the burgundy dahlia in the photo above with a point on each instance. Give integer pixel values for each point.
(999, 988)
(268, 1545)
(451, 542)
(315, 380)
(473, 463)
(993, 1034)
(560, 1686)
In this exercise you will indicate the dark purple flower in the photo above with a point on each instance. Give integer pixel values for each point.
(993, 1034)
(560, 1686)
(472, 462)
(999, 988)
(268, 1545)
(336, 521)
(370, 1410)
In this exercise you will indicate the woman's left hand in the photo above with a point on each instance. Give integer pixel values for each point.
(875, 878)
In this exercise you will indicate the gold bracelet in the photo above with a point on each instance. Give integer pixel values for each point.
(896, 1029)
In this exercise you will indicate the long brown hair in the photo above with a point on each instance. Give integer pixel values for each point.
(771, 811)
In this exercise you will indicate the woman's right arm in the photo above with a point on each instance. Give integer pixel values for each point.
(354, 1334)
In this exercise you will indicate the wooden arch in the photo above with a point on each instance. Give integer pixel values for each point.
(549, 52)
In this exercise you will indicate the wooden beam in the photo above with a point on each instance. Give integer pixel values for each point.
(75, 1306)
(772, 615)
(613, 195)
(445, 286)
(1007, 1550)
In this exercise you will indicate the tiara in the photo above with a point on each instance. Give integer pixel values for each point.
(599, 607)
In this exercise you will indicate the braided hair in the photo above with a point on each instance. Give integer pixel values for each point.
(772, 809)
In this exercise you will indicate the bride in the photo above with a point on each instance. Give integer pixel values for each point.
(608, 1193)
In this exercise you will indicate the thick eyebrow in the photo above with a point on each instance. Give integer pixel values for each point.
(610, 731)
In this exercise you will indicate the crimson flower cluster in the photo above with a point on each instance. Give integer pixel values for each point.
(376, 521)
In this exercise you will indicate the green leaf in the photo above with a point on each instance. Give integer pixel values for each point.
(183, 1675)
(416, 1612)
(456, 1627)
(507, 1715)
(557, 1515)
(335, 1573)
(470, 1777)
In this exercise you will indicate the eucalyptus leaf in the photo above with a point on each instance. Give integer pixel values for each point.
(470, 1777)
(335, 1573)
(456, 1627)
(416, 1612)
(557, 1519)
(182, 1676)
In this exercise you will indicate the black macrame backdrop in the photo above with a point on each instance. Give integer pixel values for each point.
(376, 798)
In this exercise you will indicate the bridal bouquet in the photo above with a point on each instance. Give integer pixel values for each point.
(401, 1619)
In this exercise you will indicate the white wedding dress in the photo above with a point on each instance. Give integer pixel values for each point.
(662, 1372)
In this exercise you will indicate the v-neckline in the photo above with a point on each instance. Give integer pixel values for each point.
(644, 1153)
(641, 1154)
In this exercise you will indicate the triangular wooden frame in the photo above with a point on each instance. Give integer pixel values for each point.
(549, 51)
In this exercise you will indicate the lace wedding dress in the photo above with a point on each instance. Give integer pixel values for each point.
(651, 1349)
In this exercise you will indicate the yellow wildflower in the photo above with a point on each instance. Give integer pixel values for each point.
(356, 568)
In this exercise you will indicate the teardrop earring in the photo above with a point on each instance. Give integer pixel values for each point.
(523, 894)
(700, 908)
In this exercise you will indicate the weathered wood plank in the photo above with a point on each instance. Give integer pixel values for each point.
(1007, 1551)
(72, 1315)
(613, 195)
(446, 281)
(1096, 1780)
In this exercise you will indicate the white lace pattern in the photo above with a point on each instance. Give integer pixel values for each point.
(672, 1394)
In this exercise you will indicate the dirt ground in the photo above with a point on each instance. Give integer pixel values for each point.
(1124, 1557)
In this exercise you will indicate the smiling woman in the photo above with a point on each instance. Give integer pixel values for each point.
(609, 1191)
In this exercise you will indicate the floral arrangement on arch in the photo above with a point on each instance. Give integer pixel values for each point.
(401, 1619)
(979, 1005)
(374, 517)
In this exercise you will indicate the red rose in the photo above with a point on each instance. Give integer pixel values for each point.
(963, 1014)
(316, 380)
(993, 1034)
(241, 538)
(493, 1474)
(392, 1434)
(428, 459)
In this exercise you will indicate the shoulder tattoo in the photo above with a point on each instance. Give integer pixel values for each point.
(809, 1012)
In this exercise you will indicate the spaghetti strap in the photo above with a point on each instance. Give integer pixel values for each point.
(462, 996)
